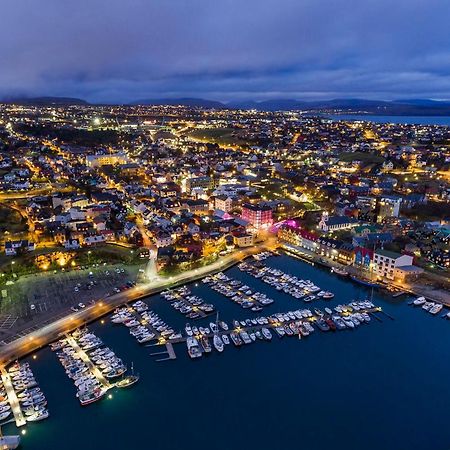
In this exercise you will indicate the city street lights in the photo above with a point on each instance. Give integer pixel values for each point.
(12, 266)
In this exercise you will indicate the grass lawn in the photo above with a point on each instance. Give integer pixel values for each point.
(221, 136)
(11, 221)
(366, 158)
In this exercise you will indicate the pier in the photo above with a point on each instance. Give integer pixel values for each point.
(272, 325)
(85, 358)
(13, 400)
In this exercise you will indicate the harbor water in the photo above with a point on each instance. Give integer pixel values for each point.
(380, 386)
(407, 120)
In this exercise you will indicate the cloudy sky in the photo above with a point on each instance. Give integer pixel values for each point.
(123, 50)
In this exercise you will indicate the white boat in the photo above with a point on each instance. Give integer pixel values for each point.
(436, 309)
(218, 343)
(225, 339)
(419, 301)
(193, 348)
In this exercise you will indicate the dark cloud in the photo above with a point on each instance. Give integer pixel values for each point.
(120, 50)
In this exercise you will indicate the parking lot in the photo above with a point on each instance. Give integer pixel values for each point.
(35, 298)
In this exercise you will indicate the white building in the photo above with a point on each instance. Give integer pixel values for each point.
(386, 263)
(389, 207)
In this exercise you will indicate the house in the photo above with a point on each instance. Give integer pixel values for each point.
(72, 244)
(336, 223)
(12, 248)
(243, 239)
(223, 203)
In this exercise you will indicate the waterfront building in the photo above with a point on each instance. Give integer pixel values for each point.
(386, 262)
(243, 239)
(260, 217)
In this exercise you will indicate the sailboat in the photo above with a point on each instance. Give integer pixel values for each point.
(128, 380)
(217, 341)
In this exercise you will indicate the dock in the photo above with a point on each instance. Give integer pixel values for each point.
(258, 327)
(180, 298)
(13, 400)
(169, 351)
(398, 294)
(92, 367)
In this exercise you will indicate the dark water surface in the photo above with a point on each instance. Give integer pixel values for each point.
(381, 386)
(410, 120)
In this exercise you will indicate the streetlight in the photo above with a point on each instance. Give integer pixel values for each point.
(12, 266)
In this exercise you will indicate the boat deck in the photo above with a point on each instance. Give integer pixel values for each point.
(13, 400)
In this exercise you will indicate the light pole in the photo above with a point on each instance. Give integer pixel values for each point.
(12, 266)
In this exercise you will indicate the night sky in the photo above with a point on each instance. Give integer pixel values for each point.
(123, 50)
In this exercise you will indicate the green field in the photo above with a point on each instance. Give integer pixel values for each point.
(220, 136)
(366, 158)
(11, 221)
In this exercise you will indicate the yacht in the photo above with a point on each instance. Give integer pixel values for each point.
(218, 343)
(266, 334)
(225, 339)
(245, 337)
(205, 343)
(193, 348)
(419, 301)
(437, 308)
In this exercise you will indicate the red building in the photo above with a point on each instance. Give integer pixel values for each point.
(258, 216)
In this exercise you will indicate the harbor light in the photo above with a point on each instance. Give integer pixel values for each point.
(34, 356)
(24, 432)
(110, 396)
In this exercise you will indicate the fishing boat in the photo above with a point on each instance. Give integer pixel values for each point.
(90, 396)
(129, 380)
(9, 442)
(338, 271)
(364, 281)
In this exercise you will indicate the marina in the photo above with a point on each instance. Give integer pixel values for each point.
(291, 285)
(27, 402)
(320, 333)
(238, 292)
(192, 306)
(91, 365)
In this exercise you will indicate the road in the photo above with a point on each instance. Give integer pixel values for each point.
(39, 338)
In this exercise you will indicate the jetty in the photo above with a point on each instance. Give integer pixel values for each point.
(12, 399)
(87, 360)
(273, 325)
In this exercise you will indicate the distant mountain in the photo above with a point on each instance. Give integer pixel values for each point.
(423, 102)
(269, 105)
(45, 101)
(192, 102)
(399, 107)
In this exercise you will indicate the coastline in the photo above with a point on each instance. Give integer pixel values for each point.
(48, 333)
